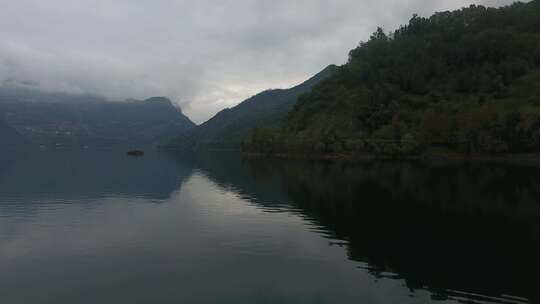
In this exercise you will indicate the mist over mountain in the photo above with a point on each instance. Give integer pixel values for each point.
(207, 55)
(228, 128)
(57, 119)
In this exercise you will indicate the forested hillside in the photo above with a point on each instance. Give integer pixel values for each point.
(466, 81)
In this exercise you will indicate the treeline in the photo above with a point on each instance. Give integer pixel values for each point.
(466, 81)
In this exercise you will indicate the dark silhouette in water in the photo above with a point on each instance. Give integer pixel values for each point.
(136, 153)
(472, 227)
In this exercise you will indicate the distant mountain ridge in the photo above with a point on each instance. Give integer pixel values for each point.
(54, 119)
(11, 140)
(228, 128)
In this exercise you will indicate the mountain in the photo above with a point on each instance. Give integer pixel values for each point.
(466, 81)
(80, 120)
(228, 128)
(11, 140)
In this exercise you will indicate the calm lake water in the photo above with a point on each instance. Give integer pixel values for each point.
(101, 227)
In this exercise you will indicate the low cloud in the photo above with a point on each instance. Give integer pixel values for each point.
(205, 54)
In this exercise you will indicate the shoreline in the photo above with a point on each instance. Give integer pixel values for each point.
(524, 157)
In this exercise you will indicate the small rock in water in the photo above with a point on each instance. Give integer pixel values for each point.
(135, 153)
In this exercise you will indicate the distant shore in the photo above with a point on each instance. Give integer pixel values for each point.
(367, 156)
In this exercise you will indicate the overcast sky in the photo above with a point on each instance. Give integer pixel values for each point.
(206, 55)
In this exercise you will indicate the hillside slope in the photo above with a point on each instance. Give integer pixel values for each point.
(228, 128)
(74, 120)
(11, 140)
(466, 81)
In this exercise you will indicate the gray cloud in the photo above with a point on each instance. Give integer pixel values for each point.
(204, 54)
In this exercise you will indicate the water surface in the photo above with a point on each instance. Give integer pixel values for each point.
(101, 227)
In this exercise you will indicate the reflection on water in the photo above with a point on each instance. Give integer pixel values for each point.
(99, 227)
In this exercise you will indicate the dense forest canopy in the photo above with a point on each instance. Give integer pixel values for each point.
(465, 81)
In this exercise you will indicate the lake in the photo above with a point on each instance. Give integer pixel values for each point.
(102, 227)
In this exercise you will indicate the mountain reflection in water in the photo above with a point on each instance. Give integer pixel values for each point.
(443, 226)
(87, 227)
